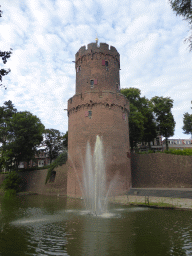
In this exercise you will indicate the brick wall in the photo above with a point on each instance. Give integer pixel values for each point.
(161, 171)
(34, 181)
(90, 65)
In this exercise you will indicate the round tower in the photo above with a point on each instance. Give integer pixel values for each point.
(98, 108)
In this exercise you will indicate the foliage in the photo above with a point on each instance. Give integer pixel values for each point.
(54, 142)
(146, 152)
(184, 152)
(27, 132)
(142, 126)
(6, 113)
(10, 193)
(20, 134)
(60, 160)
(164, 118)
(4, 55)
(12, 181)
(65, 140)
(183, 8)
(187, 121)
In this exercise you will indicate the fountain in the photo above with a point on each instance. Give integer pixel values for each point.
(94, 178)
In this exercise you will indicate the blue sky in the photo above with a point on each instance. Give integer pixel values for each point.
(45, 35)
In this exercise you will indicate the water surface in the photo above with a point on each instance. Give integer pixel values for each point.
(44, 225)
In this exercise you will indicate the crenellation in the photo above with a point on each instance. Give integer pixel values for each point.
(94, 48)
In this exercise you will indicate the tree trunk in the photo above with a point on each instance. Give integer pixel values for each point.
(166, 140)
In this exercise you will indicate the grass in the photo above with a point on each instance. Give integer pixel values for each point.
(151, 204)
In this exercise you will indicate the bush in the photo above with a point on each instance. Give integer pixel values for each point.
(184, 152)
(12, 182)
(60, 160)
(10, 193)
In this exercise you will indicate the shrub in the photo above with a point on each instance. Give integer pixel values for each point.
(60, 160)
(184, 152)
(10, 193)
(12, 181)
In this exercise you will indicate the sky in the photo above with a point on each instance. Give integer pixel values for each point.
(45, 35)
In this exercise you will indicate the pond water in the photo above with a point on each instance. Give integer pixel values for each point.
(44, 225)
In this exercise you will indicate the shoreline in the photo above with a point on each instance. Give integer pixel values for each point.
(153, 202)
(141, 201)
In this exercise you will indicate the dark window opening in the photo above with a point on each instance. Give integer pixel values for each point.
(92, 83)
(89, 113)
(106, 63)
(79, 68)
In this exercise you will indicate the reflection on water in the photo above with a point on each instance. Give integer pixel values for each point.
(42, 225)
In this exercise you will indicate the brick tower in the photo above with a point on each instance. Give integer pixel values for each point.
(98, 108)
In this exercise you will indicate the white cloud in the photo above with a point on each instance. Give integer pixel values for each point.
(45, 38)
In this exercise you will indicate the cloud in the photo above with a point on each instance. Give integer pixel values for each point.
(46, 36)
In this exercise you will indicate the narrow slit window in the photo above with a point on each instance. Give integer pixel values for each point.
(89, 113)
(106, 63)
(91, 82)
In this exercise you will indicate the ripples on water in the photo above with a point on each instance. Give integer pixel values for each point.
(48, 226)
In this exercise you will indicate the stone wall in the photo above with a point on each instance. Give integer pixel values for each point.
(160, 170)
(34, 181)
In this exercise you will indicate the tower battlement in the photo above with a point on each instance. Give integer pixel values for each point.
(94, 48)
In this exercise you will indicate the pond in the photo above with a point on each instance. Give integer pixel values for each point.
(50, 225)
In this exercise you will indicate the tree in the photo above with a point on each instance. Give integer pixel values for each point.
(27, 131)
(4, 55)
(6, 113)
(53, 141)
(187, 121)
(164, 118)
(183, 8)
(142, 127)
(65, 140)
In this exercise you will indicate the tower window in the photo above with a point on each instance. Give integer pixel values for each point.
(89, 113)
(106, 63)
(79, 68)
(92, 83)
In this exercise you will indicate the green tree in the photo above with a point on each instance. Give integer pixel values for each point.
(142, 126)
(187, 121)
(183, 8)
(6, 113)
(4, 55)
(65, 140)
(27, 131)
(164, 118)
(12, 182)
(53, 141)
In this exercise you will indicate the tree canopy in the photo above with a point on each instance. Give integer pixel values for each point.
(142, 127)
(164, 118)
(184, 8)
(54, 142)
(20, 133)
(187, 121)
(4, 55)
